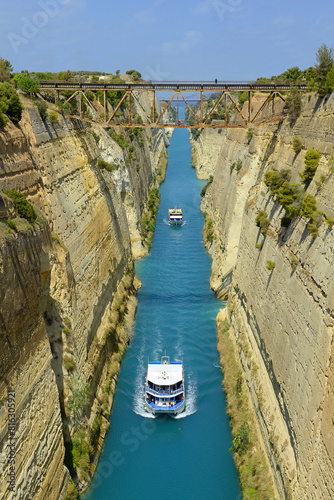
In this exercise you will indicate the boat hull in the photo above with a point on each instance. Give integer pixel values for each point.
(157, 410)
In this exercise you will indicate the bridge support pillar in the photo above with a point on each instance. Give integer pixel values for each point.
(201, 106)
(177, 112)
(249, 106)
(105, 102)
(129, 97)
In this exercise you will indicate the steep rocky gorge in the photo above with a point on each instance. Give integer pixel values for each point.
(67, 289)
(281, 319)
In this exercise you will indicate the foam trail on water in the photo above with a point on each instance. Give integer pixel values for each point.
(138, 397)
(191, 399)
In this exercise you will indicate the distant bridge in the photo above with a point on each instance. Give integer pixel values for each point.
(109, 118)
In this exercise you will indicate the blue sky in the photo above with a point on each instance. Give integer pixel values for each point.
(177, 40)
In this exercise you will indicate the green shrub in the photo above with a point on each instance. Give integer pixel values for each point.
(243, 97)
(70, 365)
(262, 221)
(290, 197)
(26, 84)
(314, 224)
(206, 186)
(270, 265)
(309, 206)
(15, 108)
(71, 491)
(258, 246)
(53, 116)
(241, 439)
(80, 453)
(96, 137)
(324, 70)
(294, 262)
(275, 179)
(195, 133)
(119, 138)
(208, 231)
(135, 74)
(297, 145)
(96, 429)
(320, 182)
(10, 104)
(293, 102)
(3, 120)
(330, 222)
(22, 205)
(311, 161)
(42, 108)
(238, 166)
(250, 133)
(11, 224)
(105, 165)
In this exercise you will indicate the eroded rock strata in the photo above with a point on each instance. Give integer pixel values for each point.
(67, 289)
(282, 318)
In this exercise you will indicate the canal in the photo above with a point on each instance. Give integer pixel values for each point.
(186, 457)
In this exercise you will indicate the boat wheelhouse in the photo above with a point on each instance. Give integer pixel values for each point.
(175, 216)
(164, 387)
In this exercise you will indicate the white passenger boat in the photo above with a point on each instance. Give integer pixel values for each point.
(164, 387)
(175, 216)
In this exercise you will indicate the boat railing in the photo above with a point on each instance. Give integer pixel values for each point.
(164, 393)
(165, 405)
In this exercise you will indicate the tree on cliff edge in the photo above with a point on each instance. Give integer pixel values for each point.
(5, 70)
(325, 70)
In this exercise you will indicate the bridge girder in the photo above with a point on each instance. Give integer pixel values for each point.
(109, 118)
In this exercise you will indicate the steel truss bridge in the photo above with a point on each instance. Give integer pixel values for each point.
(109, 118)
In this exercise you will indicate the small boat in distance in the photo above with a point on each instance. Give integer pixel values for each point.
(175, 216)
(164, 387)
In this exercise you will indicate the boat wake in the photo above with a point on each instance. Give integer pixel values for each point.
(138, 397)
(191, 399)
(138, 400)
(165, 221)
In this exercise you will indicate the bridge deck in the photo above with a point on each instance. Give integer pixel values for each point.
(174, 86)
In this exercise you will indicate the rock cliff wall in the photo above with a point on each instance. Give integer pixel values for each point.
(282, 319)
(67, 287)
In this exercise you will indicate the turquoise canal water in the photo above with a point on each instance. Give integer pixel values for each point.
(186, 457)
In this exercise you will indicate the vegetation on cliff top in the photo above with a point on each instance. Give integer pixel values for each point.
(10, 104)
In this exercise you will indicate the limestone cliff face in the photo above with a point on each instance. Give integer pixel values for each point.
(283, 319)
(25, 367)
(66, 284)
